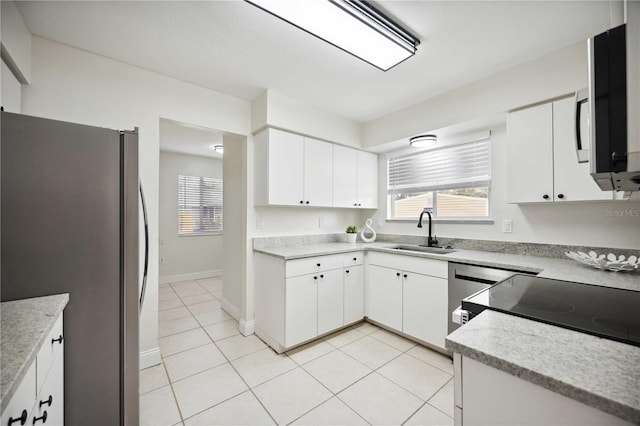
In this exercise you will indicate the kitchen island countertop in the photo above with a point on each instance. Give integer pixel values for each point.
(25, 325)
(601, 373)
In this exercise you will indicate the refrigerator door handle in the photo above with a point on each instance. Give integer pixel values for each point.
(146, 247)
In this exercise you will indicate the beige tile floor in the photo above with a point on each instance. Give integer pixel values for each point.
(212, 375)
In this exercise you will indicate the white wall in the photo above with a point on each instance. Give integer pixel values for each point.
(187, 254)
(235, 287)
(556, 74)
(73, 85)
(579, 223)
(10, 90)
(16, 41)
(272, 109)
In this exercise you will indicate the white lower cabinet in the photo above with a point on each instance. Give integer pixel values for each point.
(424, 315)
(39, 398)
(299, 300)
(384, 296)
(408, 294)
(353, 279)
(301, 309)
(487, 396)
(330, 301)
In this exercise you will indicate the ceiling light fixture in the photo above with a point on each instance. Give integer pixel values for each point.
(217, 148)
(351, 25)
(423, 141)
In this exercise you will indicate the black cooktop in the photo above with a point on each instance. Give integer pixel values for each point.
(601, 311)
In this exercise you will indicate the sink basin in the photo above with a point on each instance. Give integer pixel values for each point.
(424, 249)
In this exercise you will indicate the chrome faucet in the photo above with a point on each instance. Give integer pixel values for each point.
(431, 241)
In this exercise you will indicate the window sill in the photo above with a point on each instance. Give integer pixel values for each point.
(200, 234)
(446, 221)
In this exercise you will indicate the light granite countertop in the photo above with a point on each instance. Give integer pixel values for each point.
(547, 267)
(25, 325)
(601, 373)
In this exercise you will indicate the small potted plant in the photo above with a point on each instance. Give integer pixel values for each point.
(352, 233)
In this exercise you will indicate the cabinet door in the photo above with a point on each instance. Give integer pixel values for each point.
(572, 181)
(301, 307)
(353, 294)
(51, 397)
(424, 310)
(530, 155)
(344, 176)
(384, 296)
(286, 168)
(367, 180)
(330, 301)
(318, 173)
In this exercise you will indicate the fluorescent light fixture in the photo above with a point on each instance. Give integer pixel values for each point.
(351, 25)
(217, 148)
(423, 141)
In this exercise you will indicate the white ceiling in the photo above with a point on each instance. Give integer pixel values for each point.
(188, 139)
(237, 49)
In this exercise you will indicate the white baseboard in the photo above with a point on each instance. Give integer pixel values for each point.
(150, 357)
(191, 276)
(231, 309)
(245, 327)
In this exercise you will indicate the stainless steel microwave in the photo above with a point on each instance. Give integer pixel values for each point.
(614, 102)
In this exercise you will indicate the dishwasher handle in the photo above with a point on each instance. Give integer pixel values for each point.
(475, 279)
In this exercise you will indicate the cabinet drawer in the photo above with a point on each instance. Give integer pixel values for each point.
(23, 399)
(353, 259)
(50, 347)
(420, 265)
(310, 265)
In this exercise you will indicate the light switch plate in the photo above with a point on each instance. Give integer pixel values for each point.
(507, 225)
(259, 222)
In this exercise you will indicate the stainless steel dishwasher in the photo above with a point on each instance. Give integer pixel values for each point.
(465, 280)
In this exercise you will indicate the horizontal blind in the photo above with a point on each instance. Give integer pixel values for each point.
(466, 165)
(199, 205)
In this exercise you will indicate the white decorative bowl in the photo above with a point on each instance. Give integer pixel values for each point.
(609, 262)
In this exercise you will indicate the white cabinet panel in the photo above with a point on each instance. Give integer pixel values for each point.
(572, 180)
(384, 296)
(318, 173)
(367, 180)
(330, 301)
(23, 399)
(301, 317)
(286, 168)
(345, 176)
(353, 294)
(530, 155)
(51, 397)
(509, 400)
(424, 309)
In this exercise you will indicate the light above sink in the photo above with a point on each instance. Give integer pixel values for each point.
(423, 249)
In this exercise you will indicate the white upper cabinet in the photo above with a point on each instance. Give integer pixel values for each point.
(291, 170)
(542, 164)
(318, 172)
(355, 178)
(571, 180)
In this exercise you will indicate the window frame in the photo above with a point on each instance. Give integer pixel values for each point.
(429, 189)
(201, 206)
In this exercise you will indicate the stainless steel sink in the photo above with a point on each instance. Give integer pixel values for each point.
(423, 249)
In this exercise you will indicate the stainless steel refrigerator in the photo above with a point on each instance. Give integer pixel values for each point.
(69, 217)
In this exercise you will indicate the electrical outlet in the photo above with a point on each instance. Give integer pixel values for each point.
(162, 260)
(507, 225)
(259, 222)
(320, 222)
(161, 242)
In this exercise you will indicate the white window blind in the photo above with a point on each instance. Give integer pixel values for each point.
(199, 205)
(466, 165)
